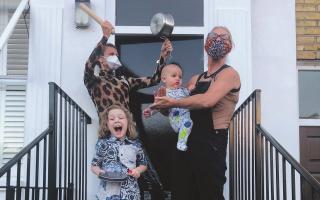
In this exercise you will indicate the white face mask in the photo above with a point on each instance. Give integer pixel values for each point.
(113, 62)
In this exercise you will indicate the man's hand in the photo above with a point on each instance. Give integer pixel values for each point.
(163, 102)
(147, 112)
(106, 28)
(162, 91)
(166, 49)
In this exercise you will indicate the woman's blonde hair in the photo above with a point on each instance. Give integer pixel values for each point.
(104, 130)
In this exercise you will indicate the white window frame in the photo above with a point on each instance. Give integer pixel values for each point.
(110, 15)
(308, 122)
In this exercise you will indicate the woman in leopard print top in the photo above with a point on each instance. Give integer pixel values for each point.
(110, 87)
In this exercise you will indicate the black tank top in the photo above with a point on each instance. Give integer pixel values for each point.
(202, 118)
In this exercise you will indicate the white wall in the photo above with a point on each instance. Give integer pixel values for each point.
(44, 63)
(77, 45)
(274, 69)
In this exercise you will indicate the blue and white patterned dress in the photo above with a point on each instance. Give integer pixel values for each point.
(129, 153)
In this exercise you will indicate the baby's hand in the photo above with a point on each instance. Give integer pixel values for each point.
(147, 112)
(134, 172)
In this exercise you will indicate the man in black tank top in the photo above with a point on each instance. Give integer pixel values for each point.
(199, 173)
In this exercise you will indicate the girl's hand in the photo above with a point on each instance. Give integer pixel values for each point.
(101, 172)
(106, 28)
(163, 102)
(96, 170)
(134, 173)
(166, 49)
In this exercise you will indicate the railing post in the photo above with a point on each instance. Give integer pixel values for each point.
(52, 166)
(70, 191)
(10, 193)
(231, 160)
(258, 167)
(258, 107)
(258, 156)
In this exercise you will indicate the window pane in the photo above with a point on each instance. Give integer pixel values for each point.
(141, 52)
(139, 13)
(309, 94)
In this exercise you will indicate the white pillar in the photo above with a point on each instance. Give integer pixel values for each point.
(275, 72)
(44, 64)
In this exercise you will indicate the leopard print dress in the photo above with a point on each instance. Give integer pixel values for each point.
(109, 89)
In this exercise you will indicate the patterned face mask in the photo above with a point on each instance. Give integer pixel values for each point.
(217, 46)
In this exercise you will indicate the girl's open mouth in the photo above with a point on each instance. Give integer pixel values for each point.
(118, 128)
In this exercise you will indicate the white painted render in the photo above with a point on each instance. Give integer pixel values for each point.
(274, 71)
(264, 55)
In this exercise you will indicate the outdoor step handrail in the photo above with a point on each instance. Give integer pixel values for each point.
(61, 150)
(298, 167)
(255, 157)
(4, 169)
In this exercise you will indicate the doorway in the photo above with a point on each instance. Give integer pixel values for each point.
(310, 156)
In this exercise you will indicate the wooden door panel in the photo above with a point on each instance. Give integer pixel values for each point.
(310, 157)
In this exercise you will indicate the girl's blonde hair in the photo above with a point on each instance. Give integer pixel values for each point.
(104, 130)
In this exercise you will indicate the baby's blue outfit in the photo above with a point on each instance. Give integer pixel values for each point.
(179, 118)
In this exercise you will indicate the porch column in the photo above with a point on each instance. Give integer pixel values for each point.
(45, 51)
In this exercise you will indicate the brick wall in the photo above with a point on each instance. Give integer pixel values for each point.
(308, 29)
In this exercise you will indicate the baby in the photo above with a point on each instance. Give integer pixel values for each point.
(180, 121)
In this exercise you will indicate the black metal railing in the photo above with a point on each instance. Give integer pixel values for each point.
(260, 168)
(52, 166)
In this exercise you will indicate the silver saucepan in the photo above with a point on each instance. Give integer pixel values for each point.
(162, 25)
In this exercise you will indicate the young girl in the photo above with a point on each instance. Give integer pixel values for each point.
(117, 145)
(180, 121)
